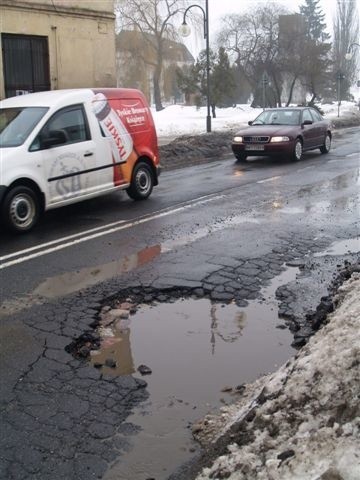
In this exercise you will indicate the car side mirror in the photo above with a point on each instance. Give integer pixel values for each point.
(307, 122)
(250, 122)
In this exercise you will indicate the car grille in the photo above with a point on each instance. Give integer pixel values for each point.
(256, 139)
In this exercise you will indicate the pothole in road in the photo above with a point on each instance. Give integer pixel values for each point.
(197, 355)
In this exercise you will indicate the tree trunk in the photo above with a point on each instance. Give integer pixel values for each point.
(277, 88)
(291, 91)
(157, 93)
(312, 100)
(213, 111)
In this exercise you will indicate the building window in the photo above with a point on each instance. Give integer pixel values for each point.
(26, 64)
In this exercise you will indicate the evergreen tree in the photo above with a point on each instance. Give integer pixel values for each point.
(316, 61)
(222, 81)
(315, 21)
(188, 81)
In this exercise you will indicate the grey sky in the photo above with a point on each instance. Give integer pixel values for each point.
(218, 8)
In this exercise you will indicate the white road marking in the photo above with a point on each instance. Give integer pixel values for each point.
(269, 179)
(54, 242)
(92, 234)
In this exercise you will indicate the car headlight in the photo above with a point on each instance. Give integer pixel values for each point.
(279, 139)
(238, 139)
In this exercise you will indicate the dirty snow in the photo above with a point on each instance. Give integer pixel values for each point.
(176, 120)
(306, 423)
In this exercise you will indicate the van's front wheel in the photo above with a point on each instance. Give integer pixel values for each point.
(21, 209)
(142, 182)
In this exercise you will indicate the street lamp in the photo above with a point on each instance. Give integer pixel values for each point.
(185, 31)
(349, 53)
(339, 77)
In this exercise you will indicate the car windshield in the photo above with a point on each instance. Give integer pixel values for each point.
(278, 117)
(17, 123)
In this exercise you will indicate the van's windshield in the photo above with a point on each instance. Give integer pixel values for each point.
(17, 123)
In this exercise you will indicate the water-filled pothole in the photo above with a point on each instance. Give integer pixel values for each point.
(199, 354)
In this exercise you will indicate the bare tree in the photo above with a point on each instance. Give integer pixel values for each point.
(154, 19)
(346, 33)
(251, 40)
(290, 49)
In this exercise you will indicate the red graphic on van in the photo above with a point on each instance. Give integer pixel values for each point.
(127, 121)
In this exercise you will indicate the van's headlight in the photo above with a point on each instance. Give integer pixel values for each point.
(279, 139)
(238, 139)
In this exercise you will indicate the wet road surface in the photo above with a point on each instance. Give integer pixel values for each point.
(207, 251)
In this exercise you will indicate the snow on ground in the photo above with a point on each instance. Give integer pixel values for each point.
(307, 425)
(176, 120)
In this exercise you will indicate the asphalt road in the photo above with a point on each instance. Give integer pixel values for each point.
(202, 227)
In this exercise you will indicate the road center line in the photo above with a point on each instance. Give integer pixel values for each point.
(114, 227)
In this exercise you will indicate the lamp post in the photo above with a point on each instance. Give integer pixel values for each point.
(339, 77)
(264, 82)
(185, 31)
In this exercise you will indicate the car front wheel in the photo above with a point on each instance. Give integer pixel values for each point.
(21, 209)
(142, 182)
(298, 150)
(327, 144)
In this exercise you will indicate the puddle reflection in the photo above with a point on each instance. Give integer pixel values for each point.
(74, 281)
(194, 348)
(70, 282)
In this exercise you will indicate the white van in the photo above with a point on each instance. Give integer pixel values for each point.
(63, 146)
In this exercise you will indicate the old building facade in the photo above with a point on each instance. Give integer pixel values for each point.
(136, 60)
(53, 44)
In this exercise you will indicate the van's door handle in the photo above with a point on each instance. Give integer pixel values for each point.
(88, 154)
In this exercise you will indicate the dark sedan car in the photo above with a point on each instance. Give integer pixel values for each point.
(283, 132)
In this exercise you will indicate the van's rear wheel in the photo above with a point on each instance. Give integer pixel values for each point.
(142, 182)
(21, 209)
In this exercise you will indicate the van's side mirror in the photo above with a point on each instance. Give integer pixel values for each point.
(53, 138)
(250, 122)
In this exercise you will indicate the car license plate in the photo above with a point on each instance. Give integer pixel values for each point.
(254, 147)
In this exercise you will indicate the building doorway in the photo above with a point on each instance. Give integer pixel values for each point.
(26, 64)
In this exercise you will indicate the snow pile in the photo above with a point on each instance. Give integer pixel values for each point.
(176, 120)
(303, 421)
